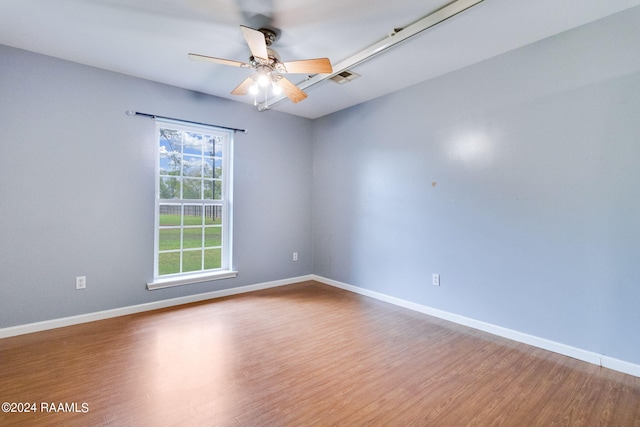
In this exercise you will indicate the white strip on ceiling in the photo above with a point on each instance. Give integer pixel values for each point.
(397, 36)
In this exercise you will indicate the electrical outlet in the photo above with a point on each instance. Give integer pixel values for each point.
(436, 279)
(81, 282)
(295, 256)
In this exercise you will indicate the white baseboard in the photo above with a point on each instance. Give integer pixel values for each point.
(123, 311)
(556, 347)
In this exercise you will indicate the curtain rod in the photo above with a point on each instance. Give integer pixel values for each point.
(154, 116)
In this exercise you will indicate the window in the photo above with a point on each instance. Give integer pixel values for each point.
(193, 204)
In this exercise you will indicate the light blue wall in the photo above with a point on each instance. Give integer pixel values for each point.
(76, 188)
(517, 180)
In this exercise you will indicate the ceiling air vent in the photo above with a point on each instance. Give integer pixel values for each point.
(344, 77)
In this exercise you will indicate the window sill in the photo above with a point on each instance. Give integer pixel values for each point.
(189, 279)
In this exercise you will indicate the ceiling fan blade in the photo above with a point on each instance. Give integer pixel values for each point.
(293, 92)
(196, 57)
(256, 42)
(309, 66)
(243, 88)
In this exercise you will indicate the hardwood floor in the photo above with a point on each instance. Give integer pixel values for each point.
(304, 354)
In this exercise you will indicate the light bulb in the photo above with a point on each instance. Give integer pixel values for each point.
(253, 89)
(277, 89)
(263, 80)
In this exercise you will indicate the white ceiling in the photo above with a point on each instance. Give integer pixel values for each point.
(151, 38)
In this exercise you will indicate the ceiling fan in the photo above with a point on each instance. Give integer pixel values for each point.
(268, 66)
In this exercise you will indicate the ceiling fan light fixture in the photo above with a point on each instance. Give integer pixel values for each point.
(277, 89)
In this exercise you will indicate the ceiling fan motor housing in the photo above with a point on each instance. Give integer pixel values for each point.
(270, 36)
(274, 62)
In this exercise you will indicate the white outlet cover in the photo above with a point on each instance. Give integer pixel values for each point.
(436, 280)
(81, 282)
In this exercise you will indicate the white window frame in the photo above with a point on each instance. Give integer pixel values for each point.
(225, 270)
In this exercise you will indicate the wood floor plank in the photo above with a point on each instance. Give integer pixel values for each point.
(301, 355)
